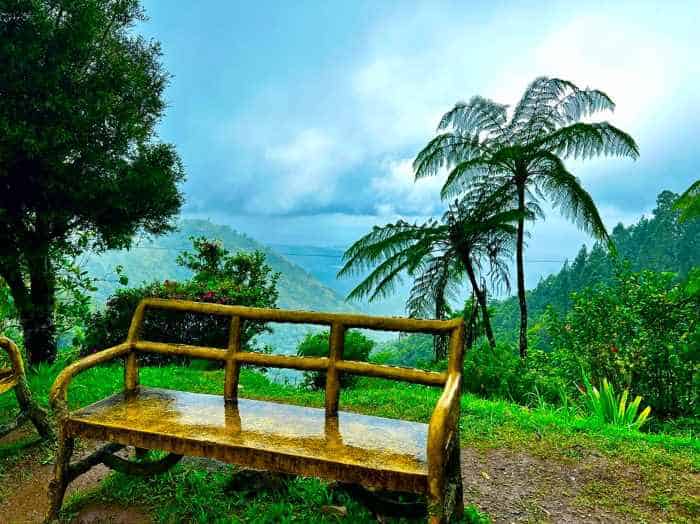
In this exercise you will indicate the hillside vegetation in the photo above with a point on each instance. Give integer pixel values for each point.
(657, 243)
(154, 259)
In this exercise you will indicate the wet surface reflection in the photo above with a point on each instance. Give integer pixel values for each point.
(282, 428)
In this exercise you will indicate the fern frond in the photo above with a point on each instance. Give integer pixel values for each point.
(476, 117)
(584, 141)
(567, 194)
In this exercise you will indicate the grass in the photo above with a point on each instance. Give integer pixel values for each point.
(190, 492)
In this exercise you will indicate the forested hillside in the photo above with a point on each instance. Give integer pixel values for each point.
(154, 259)
(658, 243)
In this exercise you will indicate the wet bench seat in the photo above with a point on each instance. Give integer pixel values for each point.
(351, 448)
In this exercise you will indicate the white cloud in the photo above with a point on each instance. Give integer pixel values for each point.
(301, 170)
(349, 134)
(398, 194)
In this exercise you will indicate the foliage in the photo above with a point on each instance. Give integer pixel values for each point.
(71, 307)
(475, 233)
(356, 347)
(220, 277)
(520, 155)
(642, 332)
(82, 95)
(612, 408)
(689, 202)
(658, 243)
(489, 373)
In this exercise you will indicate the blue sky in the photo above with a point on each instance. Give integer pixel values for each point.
(297, 121)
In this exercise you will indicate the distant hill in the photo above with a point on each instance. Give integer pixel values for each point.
(658, 243)
(324, 264)
(154, 259)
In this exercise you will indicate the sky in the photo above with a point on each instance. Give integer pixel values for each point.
(297, 122)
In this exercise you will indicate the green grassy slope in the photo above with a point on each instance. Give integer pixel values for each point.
(190, 493)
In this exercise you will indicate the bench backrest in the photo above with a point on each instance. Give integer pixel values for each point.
(333, 365)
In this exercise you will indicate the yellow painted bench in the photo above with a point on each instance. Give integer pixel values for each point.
(370, 451)
(14, 378)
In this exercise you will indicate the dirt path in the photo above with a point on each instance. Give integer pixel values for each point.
(509, 486)
(24, 491)
(517, 487)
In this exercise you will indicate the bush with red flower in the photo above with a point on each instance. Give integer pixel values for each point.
(218, 276)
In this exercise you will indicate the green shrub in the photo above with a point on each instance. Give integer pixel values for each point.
(611, 408)
(219, 277)
(357, 347)
(501, 373)
(642, 333)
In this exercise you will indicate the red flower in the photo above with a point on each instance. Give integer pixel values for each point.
(614, 349)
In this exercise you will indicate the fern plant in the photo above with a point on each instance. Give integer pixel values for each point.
(521, 154)
(474, 237)
(611, 408)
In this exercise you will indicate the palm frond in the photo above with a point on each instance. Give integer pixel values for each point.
(566, 193)
(444, 151)
(581, 140)
(434, 286)
(479, 116)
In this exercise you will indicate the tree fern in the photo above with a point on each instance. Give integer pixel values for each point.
(521, 156)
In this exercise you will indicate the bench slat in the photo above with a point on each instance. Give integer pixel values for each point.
(348, 320)
(282, 361)
(416, 376)
(181, 349)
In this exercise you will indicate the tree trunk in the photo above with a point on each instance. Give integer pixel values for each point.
(471, 323)
(440, 341)
(36, 311)
(481, 298)
(521, 271)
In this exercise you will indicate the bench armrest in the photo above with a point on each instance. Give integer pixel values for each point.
(442, 430)
(59, 389)
(9, 377)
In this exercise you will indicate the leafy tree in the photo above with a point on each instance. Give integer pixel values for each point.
(689, 202)
(660, 242)
(521, 155)
(641, 331)
(436, 254)
(356, 347)
(220, 277)
(81, 98)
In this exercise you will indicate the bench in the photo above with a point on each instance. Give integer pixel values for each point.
(374, 452)
(14, 378)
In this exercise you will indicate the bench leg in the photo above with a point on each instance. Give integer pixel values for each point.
(28, 405)
(61, 479)
(448, 506)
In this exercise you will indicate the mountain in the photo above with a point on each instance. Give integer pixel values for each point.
(324, 264)
(154, 259)
(658, 243)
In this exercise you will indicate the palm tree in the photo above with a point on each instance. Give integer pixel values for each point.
(479, 142)
(436, 254)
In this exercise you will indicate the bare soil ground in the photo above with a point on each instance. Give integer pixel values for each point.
(517, 487)
(509, 486)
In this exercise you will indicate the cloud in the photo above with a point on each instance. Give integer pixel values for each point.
(338, 140)
(396, 192)
(304, 170)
